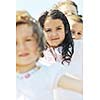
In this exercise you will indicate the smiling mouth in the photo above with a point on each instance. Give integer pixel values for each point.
(24, 54)
(55, 39)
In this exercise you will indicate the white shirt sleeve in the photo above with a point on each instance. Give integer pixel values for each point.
(56, 71)
(19, 96)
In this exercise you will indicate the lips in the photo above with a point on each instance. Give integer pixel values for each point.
(55, 39)
(24, 54)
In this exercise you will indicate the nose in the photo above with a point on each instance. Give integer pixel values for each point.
(54, 33)
(73, 36)
(21, 47)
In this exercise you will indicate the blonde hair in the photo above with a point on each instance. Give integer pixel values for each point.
(23, 17)
(75, 18)
(66, 3)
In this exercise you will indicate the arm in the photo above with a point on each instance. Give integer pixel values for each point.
(70, 83)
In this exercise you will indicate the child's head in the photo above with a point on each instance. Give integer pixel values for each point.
(68, 7)
(29, 39)
(57, 31)
(76, 25)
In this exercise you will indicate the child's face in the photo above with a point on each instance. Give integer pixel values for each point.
(54, 31)
(68, 10)
(76, 29)
(26, 46)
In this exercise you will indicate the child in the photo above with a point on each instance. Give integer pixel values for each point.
(60, 46)
(36, 82)
(57, 32)
(68, 7)
(76, 25)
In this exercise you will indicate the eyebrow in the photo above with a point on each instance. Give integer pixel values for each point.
(51, 28)
(28, 35)
(58, 26)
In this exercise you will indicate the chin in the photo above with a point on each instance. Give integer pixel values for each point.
(25, 62)
(54, 46)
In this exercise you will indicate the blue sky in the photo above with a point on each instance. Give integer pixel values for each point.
(36, 7)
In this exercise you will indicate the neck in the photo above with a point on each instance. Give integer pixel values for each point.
(24, 68)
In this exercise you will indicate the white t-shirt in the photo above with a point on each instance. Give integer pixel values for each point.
(38, 85)
(50, 54)
(76, 65)
(75, 68)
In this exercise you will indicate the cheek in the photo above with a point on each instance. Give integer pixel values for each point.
(62, 36)
(32, 46)
(35, 48)
(47, 36)
(35, 52)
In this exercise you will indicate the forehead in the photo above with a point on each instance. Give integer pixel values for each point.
(53, 22)
(71, 21)
(78, 25)
(25, 30)
(67, 7)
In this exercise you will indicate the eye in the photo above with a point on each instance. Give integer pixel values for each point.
(73, 32)
(48, 30)
(79, 33)
(73, 13)
(58, 28)
(28, 39)
(65, 13)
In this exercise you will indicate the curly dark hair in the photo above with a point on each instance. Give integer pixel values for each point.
(67, 44)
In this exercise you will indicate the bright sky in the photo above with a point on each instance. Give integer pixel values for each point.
(36, 7)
